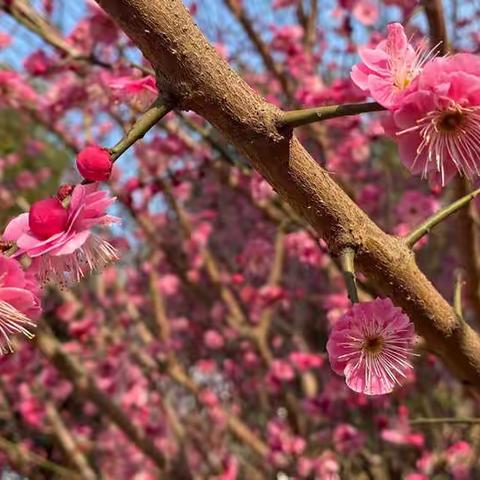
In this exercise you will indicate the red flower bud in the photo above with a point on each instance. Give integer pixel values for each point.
(47, 217)
(95, 164)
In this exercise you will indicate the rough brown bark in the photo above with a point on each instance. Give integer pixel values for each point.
(190, 72)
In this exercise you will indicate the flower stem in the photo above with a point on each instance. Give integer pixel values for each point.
(441, 215)
(143, 124)
(296, 118)
(347, 259)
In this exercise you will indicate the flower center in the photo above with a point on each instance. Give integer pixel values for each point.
(373, 345)
(451, 120)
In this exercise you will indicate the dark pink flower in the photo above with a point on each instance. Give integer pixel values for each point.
(347, 439)
(304, 361)
(47, 218)
(38, 63)
(68, 254)
(19, 304)
(371, 345)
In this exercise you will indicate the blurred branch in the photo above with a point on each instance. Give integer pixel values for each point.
(308, 20)
(238, 11)
(446, 420)
(23, 13)
(436, 24)
(21, 454)
(68, 442)
(86, 386)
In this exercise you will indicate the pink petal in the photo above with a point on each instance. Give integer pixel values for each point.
(16, 228)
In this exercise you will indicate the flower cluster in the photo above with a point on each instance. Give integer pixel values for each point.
(56, 243)
(433, 102)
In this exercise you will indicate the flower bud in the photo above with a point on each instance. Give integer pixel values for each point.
(95, 164)
(64, 191)
(47, 217)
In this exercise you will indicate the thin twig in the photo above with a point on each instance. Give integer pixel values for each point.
(438, 217)
(141, 126)
(296, 118)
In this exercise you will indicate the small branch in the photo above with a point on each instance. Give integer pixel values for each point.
(441, 215)
(457, 295)
(143, 124)
(297, 118)
(446, 420)
(347, 259)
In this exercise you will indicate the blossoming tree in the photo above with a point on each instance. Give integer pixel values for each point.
(261, 258)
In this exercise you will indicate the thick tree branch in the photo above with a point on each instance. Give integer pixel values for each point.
(190, 70)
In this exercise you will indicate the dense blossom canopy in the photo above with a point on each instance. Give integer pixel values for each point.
(167, 312)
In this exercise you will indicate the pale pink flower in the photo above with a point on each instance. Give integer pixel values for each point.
(281, 371)
(366, 12)
(347, 439)
(304, 361)
(19, 304)
(138, 91)
(370, 345)
(437, 124)
(284, 3)
(388, 69)
(213, 340)
(400, 432)
(459, 458)
(70, 253)
(15, 91)
(5, 40)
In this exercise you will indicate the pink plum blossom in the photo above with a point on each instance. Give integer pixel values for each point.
(19, 303)
(387, 70)
(437, 122)
(366, 12)
(68, 254)
(370, 345)
(347, 438)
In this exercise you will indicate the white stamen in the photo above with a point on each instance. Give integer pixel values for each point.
(11, 322)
